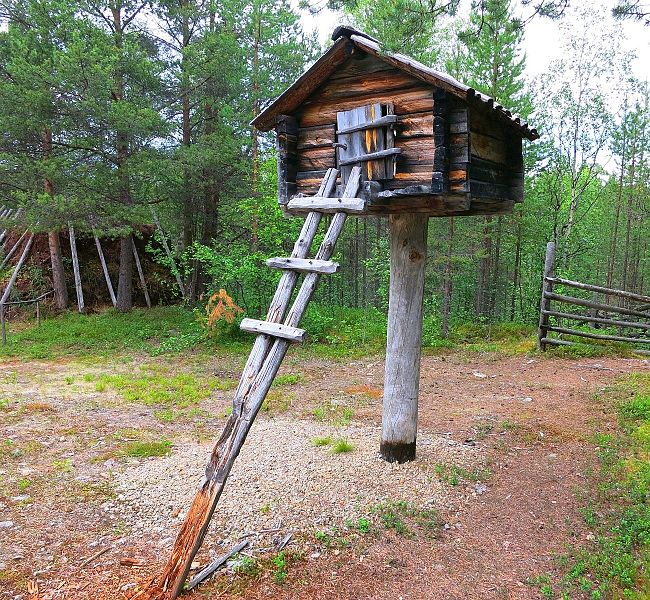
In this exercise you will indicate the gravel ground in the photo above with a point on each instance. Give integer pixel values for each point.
(282, 482)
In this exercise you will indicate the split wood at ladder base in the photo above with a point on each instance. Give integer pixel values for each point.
(259, 372)
(408, 250)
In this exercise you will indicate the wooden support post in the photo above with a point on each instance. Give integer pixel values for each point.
(38, 313)
(143, 283)
(107, 275)
(408, 251)
(547, 287)
(3, 324)
(75, 267)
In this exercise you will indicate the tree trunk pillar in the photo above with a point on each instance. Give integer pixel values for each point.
(408, 251)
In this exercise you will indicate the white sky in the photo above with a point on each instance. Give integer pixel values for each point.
(542, 38)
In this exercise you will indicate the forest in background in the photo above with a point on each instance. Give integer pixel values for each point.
(116, 114)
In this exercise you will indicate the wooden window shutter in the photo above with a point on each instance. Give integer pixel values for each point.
(365, 136)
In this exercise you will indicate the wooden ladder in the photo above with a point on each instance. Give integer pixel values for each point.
(275, 334)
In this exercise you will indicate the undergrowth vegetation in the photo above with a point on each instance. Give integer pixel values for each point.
(333, 332)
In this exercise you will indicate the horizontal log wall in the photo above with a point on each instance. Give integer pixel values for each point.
(366, 81)
(496, 167)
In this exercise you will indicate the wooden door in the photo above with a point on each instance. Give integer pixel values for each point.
(365, 137)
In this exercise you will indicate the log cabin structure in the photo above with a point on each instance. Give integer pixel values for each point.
(426, 143)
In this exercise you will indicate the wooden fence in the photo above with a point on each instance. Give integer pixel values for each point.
(601, 313)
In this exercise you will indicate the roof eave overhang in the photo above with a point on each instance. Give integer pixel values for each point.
(343, 48)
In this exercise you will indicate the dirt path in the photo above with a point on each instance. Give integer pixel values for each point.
(529, 419)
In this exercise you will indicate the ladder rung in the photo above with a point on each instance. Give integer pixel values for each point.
(303, 265)
(327, 205)
(279, 330)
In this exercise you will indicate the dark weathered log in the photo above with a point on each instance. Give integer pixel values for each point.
(491, 191)
(415, 100)
(414, 125)
(316, 159)
(287, 139)
(595, 319)
(598, 336)
(391, 81)
(316, 137)
(601, 290)
(602, 307)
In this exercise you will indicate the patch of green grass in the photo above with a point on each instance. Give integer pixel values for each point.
(280, 568)
(392, 515)
(179, 390)
(452, 474)
(342, 446)
(333, 413)
(287, 379)
(142, 449)
(23, 484)
(321, 441)
(247, 566)
(69, 380)
(63, 465)
(615, 562)
(104, 334)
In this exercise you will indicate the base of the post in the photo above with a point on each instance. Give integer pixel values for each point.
(398, 452)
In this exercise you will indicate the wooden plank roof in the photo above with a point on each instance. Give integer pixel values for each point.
(347, 41)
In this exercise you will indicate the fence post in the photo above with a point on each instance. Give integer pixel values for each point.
(38, 313)
(545, 304)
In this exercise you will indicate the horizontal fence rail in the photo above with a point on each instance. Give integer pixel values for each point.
(600, 312)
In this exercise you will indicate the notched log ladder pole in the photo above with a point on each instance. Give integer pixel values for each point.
(274, 336)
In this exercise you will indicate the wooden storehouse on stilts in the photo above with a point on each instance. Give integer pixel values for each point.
(363, 132)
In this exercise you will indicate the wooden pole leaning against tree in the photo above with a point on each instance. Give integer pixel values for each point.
(10, 285)
(75, 267)
(107, 275)
(169, 254)
(138, 265)
(11, 252)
